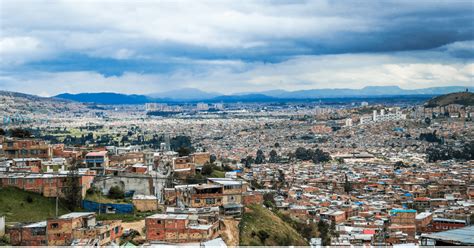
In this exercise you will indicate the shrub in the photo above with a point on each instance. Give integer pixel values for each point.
(116, 192)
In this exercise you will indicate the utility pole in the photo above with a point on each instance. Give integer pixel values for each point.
(57, 204)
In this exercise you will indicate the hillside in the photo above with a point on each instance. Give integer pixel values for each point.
(259, 226)
(463, 98)
(14, 105)
(16, 208)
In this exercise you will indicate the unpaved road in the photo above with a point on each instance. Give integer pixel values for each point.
(230, 232)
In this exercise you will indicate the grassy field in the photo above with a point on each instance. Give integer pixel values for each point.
(16, 208)
(217, 173)
(259, 226)
(96, 197)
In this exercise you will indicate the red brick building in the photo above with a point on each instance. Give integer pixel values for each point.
(66, 229)
(178, 228)
(27, 148)
(73, 226)
(48, 185)
(29, 235)
(441, 224)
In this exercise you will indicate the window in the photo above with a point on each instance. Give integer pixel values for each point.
(117, 229)
(197, 200)
(158, 222)
(210, 201)
(231, 198)
(54, 225)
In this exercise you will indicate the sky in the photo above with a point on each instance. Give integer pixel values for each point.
(143, 47)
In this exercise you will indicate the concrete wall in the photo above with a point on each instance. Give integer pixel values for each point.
(140, 184)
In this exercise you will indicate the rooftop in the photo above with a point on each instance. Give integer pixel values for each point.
(461, 236)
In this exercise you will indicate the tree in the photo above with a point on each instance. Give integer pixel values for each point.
(430, 137)
(332, 230)
(213, 158)
(260, 158)
(320, 157)
(207, 169)
(20, 133)
(302, 153)
(182, 143)
(247, 161)
(184, 151)
(427, 121)
(268, 200)
(347, 185)
(324, 233)
(72, 189)
(273, 156)
(2, 132)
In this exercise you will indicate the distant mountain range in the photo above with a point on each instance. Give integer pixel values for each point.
(185, 94)
(194, 95)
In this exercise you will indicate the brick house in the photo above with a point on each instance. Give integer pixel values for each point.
(29, 235)
(65, 230)
(48, 185)
(178, 228)
(200, 158)
(183, 166)
(77, 225)
(199, 195)
(232, 194)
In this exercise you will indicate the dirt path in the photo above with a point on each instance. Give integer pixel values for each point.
(230, 232)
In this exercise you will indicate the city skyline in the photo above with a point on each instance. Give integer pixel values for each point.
(49, 47)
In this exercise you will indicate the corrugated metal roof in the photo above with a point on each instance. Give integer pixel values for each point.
(462, 236)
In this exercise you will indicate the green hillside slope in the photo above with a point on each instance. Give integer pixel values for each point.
(259, 226)
(21, 206)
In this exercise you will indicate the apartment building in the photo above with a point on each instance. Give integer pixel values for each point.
(97, 161)
(232, 194)
(199, 195)
(27, 148)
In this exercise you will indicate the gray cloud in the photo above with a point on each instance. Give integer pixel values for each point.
(140, 46)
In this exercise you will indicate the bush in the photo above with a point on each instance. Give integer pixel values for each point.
(116, 192)
(90, 191)
(263, 235)
(29, 199)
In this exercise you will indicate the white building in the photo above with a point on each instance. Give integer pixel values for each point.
(202, 107)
